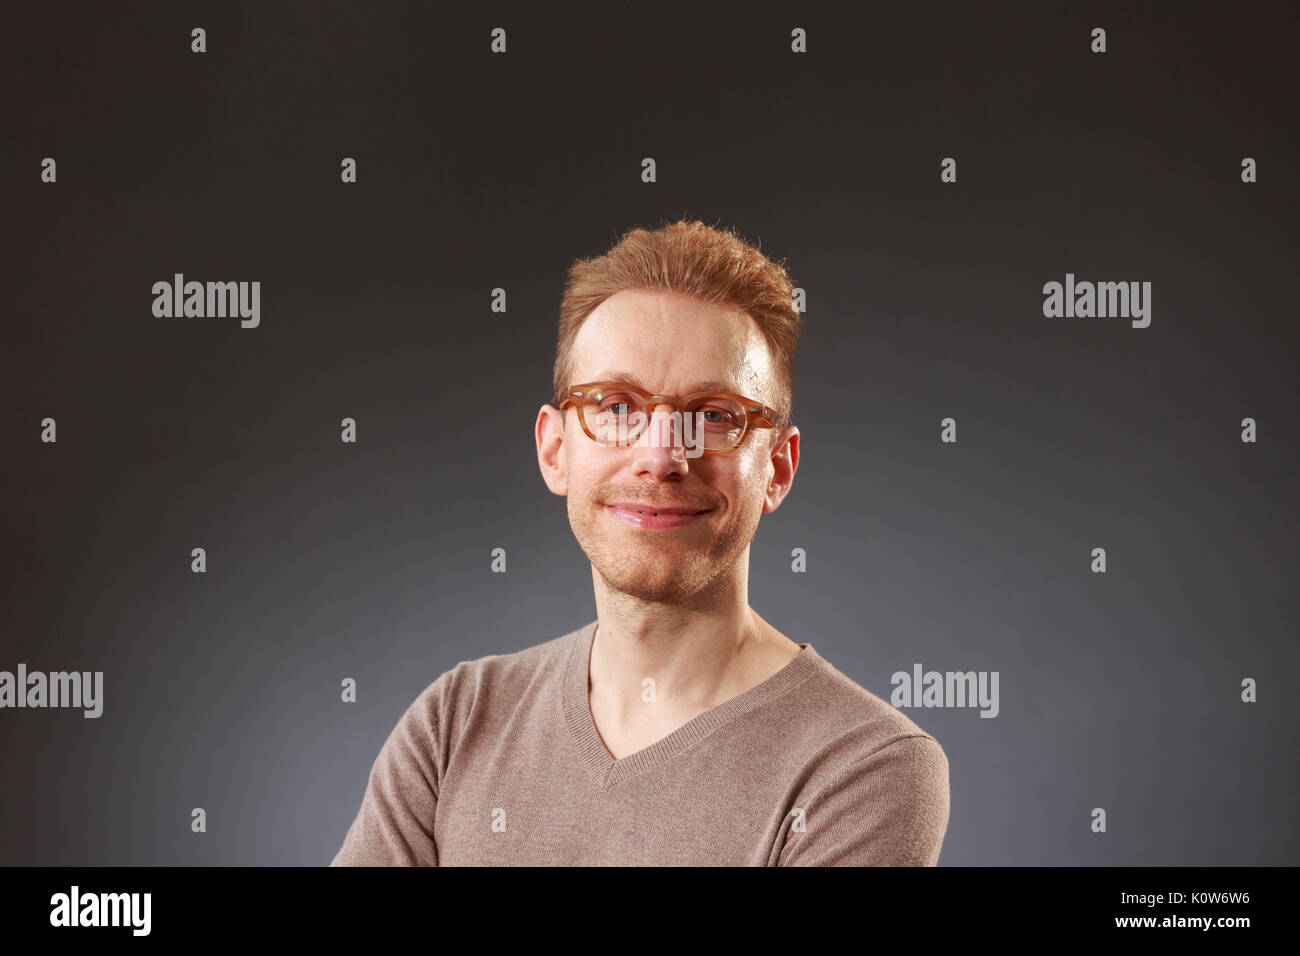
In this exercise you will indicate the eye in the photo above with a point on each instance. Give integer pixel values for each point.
(717, 415)
(617, 402)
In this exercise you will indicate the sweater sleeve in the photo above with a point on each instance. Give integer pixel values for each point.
(888, 808)
(394, 826)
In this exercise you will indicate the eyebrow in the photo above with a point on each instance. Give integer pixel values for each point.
(620, 376)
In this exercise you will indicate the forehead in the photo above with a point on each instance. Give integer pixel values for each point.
(673, 344)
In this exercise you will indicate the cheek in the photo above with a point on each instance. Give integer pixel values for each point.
(746, 491)
(754, 469)
(586, 486)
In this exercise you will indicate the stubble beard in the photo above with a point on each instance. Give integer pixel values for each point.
(661, 567)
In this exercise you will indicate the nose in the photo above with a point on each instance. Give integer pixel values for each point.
(660, 447)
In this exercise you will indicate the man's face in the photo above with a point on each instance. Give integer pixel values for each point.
(669, 345)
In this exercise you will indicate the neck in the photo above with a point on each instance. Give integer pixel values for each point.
(696, 657)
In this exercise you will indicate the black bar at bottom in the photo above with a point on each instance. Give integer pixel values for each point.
(213, 906)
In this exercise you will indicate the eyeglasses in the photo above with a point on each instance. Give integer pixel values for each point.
(616, 413)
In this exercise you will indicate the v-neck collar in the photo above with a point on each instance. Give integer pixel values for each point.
(608, 772)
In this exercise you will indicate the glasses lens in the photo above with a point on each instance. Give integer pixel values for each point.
(715, 422)
(614, 417)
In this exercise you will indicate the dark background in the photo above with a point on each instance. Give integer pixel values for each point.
(476, 170)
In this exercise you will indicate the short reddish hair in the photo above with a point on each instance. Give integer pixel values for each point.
(694, 259)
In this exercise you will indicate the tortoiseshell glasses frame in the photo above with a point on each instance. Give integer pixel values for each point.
(745, 413)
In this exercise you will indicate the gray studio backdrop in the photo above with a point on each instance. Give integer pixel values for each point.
(478, 170)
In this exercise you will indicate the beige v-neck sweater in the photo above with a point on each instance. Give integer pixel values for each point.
(499, 763)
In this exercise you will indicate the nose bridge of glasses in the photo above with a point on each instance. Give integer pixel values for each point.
(656, 402)
(652, 407)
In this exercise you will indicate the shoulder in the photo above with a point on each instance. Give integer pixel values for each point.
(853, 723)
(492, 681)
(876, 783)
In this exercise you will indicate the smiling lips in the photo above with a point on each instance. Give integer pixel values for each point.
(655, 517)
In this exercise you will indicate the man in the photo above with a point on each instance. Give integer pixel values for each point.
(679, 727)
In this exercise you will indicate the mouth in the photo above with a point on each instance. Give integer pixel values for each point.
(656, 518)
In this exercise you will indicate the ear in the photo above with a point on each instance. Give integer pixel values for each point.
(784, 463)
(550, 449)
